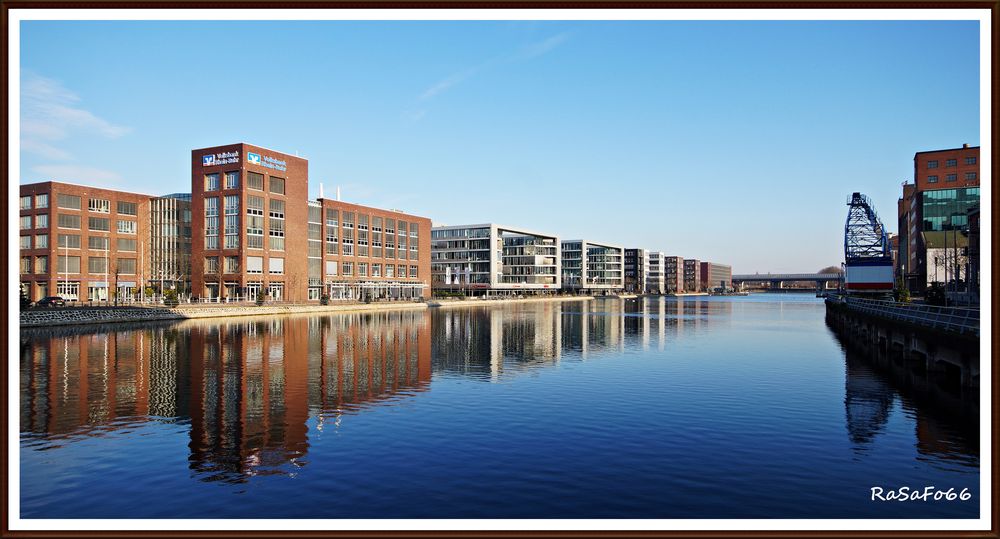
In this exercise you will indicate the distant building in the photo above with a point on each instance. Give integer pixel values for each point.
(715, 276)
(489, 258)
(636, 270)
(592, 268)
(692, 275)
(932, 214)
(657, 278)
(170, 243)
(674, 274)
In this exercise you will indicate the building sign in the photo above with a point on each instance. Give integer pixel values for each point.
(221, 158)
(266, 161)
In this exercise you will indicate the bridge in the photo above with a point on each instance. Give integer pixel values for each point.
(777, 280)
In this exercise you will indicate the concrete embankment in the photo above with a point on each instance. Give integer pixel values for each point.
(34, 318)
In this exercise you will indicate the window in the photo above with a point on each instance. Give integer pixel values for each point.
(932, 179)
(126, 266)
(68, 221)
(413, 271)
(970, 175)
(232, 221)
(70, 241)
(69, 202)
(276, 265)
(362, 222)
(68, 290)
(390, 271)
(99, 205)
(362, 269)
(414, 227)
(951, 177)
(276, 225)
(348, 268)
(277, 185)
(68, 264)
(42, 201)
(331, 232)
(255, 181)
(26, 202)
(25, 222)
(315, 214)
(42, 221)
(25, 264)
(41, 264)
(232, 264)
(126, 244)
(98, 243)
(101, 224)
(349, 219)
(376, 224)
(376, 270)
(211, 265)
(331, 267)
(932, 164)
(212, 223)
(97, 264)
(26, 242)
(968, 161)
(211, 182)
(233, 180)
(42, 241)
(255, 264)
(951, 163)
(128, 208)
(255, 222)
(331, 218)
(127, 227)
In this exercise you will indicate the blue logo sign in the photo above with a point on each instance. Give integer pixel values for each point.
(253, 158)
(207, 160)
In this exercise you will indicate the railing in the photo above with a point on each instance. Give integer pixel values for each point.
(952, 319)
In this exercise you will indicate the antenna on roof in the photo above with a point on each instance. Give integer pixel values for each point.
(338, 193)
(320, 189)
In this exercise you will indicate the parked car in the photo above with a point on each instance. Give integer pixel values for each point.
(51, 301)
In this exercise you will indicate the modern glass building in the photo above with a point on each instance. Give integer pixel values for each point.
(489, 258)
(656, 284)
(170, 243)
(593, 268)
(636, 270)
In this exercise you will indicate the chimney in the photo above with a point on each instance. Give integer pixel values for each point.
(966, 145)
(320, 189)
(338, 193)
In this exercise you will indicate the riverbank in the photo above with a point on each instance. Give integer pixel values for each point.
(34, 318)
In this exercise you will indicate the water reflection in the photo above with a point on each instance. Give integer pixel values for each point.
(254, 394)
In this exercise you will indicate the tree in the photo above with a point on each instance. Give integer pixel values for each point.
(831, 269)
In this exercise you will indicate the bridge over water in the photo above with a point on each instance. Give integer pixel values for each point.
(777, 280)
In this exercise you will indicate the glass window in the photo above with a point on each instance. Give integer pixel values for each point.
(331, 267)
(255, 181)
(932, 164)
(68, 290)
(25, 222)
(970, 175)
(25, 264)
(951, 163)
(42, 241)
(68, 264)
(968, 161)
(276, 265)
(232, 264)
(951, 177)
(69, 202)
(362, 269)
(68, 221)
(390, 270)
(126, 244)
(41, 264)
(932, 179)
(211, 265)
(101, 224)
(126, 266)
(98, 243)
(99, 205)
(315, 214)
(128, 208)
(277, 185)
(413, 271)
(233, 180)
(348, 268)
(42, 221)
(211, 182)
(97, 264)
(376, 270)
(70, 241)
(127, 227)
(255, 264)
(26, 242)
(42, 201)
(26, 202)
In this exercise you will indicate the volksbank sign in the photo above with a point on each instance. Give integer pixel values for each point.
(221, 158)
(265, 161)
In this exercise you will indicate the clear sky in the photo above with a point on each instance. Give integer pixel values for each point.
(736, 142)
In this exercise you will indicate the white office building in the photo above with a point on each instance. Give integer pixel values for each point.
(593, 268)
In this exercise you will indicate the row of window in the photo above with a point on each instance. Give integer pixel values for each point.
(66, 220)
(254, 181)
(73, 202)
(951, 162)
(952, 177)
(71, 264)
(391, 271)
(41, 201)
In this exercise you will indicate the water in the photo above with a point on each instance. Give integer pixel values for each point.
(735, 407)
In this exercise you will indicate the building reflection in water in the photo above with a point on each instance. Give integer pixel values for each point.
(248, 387)
(946, 419)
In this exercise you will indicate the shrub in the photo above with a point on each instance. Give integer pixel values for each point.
(935, 294)
(170, 298)
(324, 300)
(260, 298)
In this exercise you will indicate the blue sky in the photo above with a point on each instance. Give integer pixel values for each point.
(736, 142)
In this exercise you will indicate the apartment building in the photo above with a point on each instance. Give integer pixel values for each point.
(715, 276)
(656, 284)
(692, 275)
(636, 270)
(674, 274)
(82, 243)
(493, 259)
(357, 252)
(592, 268)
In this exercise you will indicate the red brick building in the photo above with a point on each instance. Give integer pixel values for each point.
(82, 243)
(249, 211)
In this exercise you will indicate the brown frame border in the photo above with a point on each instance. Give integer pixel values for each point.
(993, 6)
